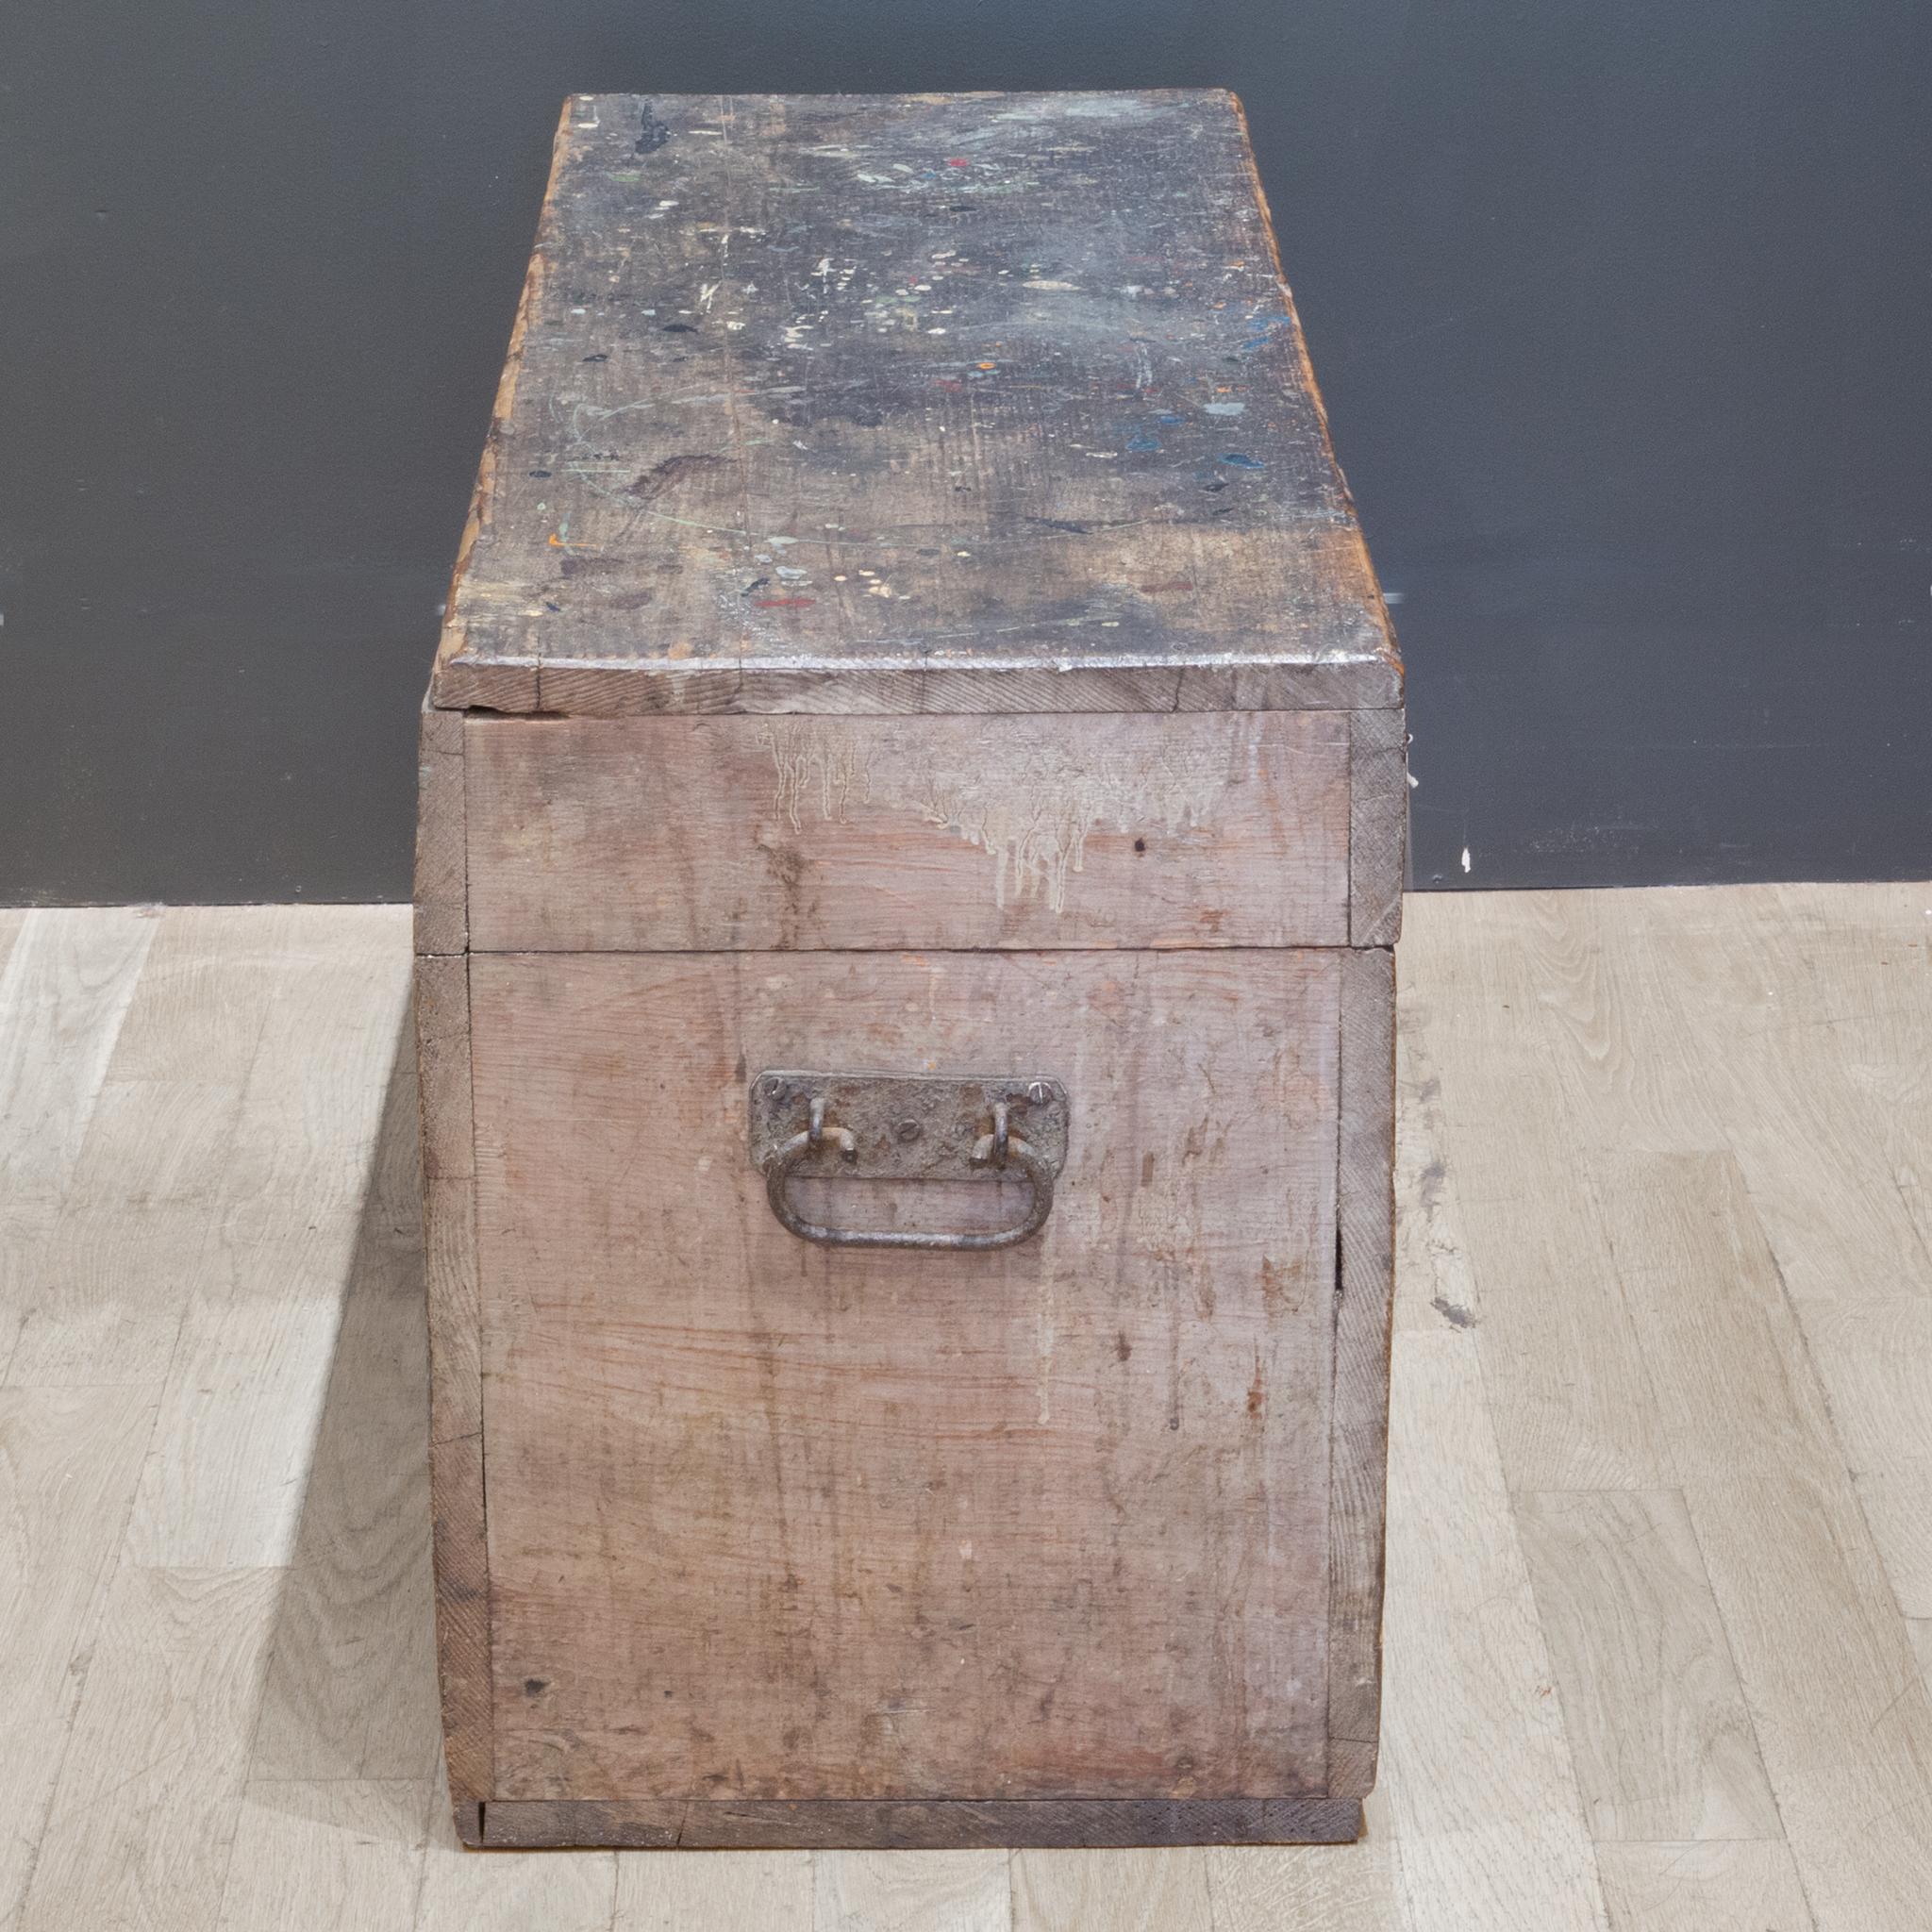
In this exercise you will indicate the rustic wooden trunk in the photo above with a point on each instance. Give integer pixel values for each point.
(916, 746)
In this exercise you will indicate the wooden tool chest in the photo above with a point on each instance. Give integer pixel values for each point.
(912, 804)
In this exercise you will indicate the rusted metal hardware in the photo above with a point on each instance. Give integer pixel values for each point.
(906, 1126)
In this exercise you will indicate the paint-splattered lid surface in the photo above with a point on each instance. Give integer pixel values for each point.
(861, 403)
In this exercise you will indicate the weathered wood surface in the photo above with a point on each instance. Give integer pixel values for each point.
(933, 1824)
(909, 403)
(443, 857)
(456, 1404)
(676, 834)
(1365, 1217)
(449, 1243)
(774, 1520)
(862, 408)
(1378, 825)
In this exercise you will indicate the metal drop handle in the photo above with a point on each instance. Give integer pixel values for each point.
(908, 1126)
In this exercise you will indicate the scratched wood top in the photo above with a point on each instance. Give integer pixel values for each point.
(849, 403)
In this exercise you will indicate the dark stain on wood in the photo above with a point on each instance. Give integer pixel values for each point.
(652, 132)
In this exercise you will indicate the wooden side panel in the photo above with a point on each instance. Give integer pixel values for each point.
(772, 1520)
(923, 1825)
(1215, 830)
(442, 851)
(456, 1407)
(1366, 1217)
(1378, 825)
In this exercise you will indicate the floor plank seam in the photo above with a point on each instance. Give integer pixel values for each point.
(1751, 1709)
(1607, 1251)
(1839, 1438)
(74, 1709)
(1573, 1792)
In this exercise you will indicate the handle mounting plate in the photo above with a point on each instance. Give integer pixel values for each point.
(907, 1126)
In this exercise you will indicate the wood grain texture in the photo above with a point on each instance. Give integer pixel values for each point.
(506, 681)
(1828, 1111)
(1663, 1744)
(442, 853)
(314, 1103)
(509, 1891)
(335, 1851)
(1359, 1456)
(1273, 1888)
(674, 834)
(1567, 1381)
(151, 1787)
(910, 1492)
(1874, 1353)
(442, 1009)
(1378, 825)
(244, 1386)
(69, 1459)
(912, 1892)
(144, 1205)
(1842, 1716)
(250, 1366)
(457, 1505)
(1140, 1890)
(769, 1890)
(1833, 1116)
(351, 1690)
(909, 403)
(1477, 1764)
(1713, 1885)
(104, 1297)
(65, 986)
(915, 1823)
(64, 991)
(209, 979)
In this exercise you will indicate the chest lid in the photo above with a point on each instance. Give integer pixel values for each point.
(909, 403)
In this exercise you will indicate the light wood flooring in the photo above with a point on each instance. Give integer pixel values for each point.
(1660, 1516)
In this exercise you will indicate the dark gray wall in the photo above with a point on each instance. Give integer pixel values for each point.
(1621, 312)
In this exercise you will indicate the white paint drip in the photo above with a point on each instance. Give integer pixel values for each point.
(807, 755)
(1036, 826)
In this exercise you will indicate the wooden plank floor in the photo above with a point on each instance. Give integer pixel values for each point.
(1661, 1519)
